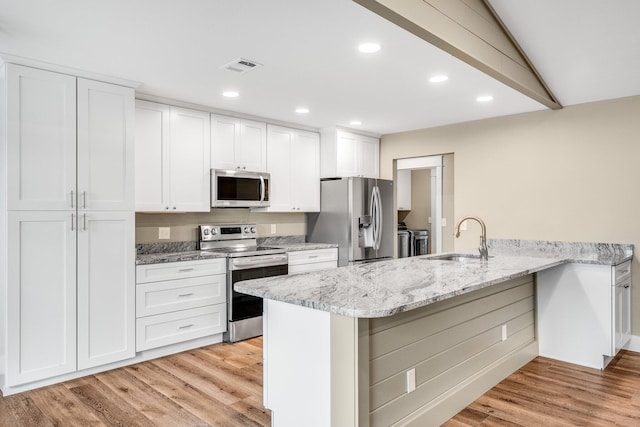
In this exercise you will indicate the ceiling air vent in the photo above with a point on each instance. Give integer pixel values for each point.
(241, 65)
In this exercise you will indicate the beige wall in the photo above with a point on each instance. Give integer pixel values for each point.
(569, 174)
(420, 211)
(183, 225)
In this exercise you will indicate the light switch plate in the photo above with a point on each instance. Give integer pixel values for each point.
(463, 226)
(164, 232)
(444, 222)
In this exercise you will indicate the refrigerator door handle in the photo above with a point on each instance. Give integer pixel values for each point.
(379, 219)
(376, 213)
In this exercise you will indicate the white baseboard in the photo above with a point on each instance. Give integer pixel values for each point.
(633, 344)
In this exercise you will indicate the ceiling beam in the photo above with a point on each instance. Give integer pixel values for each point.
(471, 31)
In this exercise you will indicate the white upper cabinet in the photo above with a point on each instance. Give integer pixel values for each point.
(172, 159)
(403, 189)
(105, 146)
(293, 160)
(348, 154)
(41, 139)
(238, 144)
(189, 156)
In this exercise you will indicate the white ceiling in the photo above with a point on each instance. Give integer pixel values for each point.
(310, 57)
(585, 50)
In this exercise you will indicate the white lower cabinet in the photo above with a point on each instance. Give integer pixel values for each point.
(313, 260)
(180, 301)
(41, 301)
(52, 281)
(584, 314)
(106, 291)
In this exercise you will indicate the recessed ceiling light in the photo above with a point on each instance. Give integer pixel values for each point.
(355, 122)
(230, 94)
(302, 110)
(484, 98)
(438, 79)
(369, 47)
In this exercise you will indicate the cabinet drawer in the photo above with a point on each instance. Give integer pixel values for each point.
(179, 270)
(316, 266)
(622, 271)
(172, 295)
(313, 256)
(171, 328)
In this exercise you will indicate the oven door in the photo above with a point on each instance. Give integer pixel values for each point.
(242, 306)
(239, 189)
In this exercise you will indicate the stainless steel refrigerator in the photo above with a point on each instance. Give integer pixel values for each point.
(356, 214)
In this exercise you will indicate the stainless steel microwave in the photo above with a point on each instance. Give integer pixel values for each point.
(239, 189)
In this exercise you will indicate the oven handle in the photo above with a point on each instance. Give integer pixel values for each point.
(246, 263)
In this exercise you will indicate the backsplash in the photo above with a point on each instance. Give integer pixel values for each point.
(183, 225)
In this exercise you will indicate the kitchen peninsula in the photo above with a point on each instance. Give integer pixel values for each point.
(414, 340)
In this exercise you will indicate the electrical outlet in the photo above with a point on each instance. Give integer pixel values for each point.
(429, 220)
(411, 380)
(164, 232)
(273, 229)
(504, 332)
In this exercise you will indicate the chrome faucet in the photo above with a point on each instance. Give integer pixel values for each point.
(484, 252)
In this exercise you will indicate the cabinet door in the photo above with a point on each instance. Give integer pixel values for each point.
(41, 136)
(190, 160)
(225, 132)
(105, 146)
(41, 295)
(305, 171)
(106, 288)
(367, 155)
(622, 313)
(346, 154)
(152, 156)
(403, 189)
(279, 145)
(253, 146)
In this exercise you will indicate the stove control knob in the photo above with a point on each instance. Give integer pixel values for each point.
(214, 231)
(253, 230)
(246, 229)
(206, 231)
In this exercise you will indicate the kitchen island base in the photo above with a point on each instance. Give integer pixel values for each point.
(418, 367)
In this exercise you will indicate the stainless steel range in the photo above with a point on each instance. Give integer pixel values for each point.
(245, 260)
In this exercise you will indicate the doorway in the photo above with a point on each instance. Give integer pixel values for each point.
(425, 197)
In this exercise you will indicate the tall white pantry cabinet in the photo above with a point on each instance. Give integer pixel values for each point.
(67, 224)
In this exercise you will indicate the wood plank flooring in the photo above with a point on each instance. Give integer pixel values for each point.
(221, 385)
(547, 392)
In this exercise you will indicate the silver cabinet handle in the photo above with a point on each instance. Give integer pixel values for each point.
(626, 286)
(72, 229)
(71, 199)
(84, 200)
(174, 208)
(185, 295)
(84, 221)
(186, 326)
(166, 208)
(182, 270)
(313, 256)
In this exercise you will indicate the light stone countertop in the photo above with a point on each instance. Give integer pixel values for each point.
(385, 288)
(305, 246)
(162, 257)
